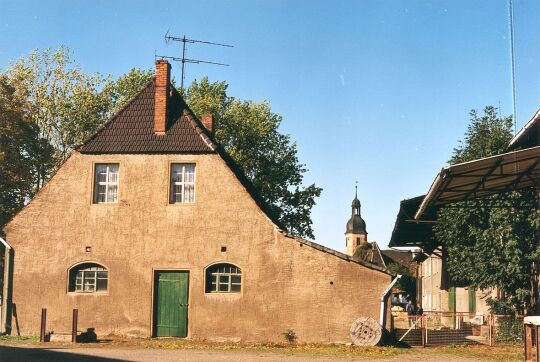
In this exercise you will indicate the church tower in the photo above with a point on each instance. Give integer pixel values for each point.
(356, 233)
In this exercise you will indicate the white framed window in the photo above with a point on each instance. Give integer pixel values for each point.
(182, 188)
(88, 278)
(223, 278)
(106, 183)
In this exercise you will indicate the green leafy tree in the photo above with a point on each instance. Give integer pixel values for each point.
(487, 246)
(249, 131)
(17, 139)
(407, 283)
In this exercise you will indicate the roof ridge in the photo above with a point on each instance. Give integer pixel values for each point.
(113, 117)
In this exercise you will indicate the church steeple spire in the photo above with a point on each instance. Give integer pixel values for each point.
(355, 233)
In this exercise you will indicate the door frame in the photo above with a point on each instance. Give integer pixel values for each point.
(153, 327)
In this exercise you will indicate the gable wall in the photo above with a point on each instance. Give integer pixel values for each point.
(285, 285)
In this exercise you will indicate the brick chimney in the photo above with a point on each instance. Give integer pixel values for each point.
(161, 97)
(207, 121)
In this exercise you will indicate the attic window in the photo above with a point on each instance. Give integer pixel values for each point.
(182, 190)
(106, 183)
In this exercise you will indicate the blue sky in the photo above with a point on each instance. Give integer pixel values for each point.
(372, 91)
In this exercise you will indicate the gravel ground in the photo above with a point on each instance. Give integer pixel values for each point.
(29, 353)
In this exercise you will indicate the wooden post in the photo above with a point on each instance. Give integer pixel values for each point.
(537, 343)
(527, 337)
(490, 329)
(43, 328)
(74, 326)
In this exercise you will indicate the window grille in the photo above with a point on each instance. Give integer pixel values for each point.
(88, 278)
(223, 278)
(182, 183)
(106, 183)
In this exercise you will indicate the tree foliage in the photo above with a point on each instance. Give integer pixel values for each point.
(64, 103)
(17, 146)
(407, 283)
(249, 132)
(493, 247)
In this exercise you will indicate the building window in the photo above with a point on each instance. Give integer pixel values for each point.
(88, 278)
(223, 278)
(182, 183)
(106, 183)
(357, 241)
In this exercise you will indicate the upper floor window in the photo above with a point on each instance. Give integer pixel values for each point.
(224, 278)
(182, 183)
(88, 278)
(106, 183)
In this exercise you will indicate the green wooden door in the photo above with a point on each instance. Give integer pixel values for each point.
(171, 304)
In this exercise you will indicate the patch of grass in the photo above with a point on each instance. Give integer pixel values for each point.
(496, 353)
(337, 350)
(19, 339)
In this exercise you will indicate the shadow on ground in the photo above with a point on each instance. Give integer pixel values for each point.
(11, 353)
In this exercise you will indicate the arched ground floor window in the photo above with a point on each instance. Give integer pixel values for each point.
(223, 278)
(88, 278)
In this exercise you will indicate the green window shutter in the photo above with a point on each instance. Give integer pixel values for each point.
(452, 299)
(472, 300)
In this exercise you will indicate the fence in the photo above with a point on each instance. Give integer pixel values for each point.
(444, 328)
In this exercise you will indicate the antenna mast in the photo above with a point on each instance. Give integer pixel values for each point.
(513, 60)
(185, 60)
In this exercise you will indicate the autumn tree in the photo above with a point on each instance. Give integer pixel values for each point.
(495, 244)
(66, 104)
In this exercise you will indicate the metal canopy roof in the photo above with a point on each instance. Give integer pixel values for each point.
(413, 233)
(484, 177)
(529, 135)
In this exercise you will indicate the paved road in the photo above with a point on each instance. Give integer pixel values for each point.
(37, 353)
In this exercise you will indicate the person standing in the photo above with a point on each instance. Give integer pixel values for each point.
(411, 312)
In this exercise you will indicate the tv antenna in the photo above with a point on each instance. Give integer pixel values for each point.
(183, 58)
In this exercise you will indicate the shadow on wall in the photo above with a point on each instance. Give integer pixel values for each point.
(31, 354)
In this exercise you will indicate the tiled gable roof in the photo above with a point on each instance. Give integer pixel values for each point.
(131, 130)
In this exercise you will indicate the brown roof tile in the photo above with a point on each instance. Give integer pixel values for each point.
(131, 130)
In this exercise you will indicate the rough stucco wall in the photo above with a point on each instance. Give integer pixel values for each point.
(285, 285)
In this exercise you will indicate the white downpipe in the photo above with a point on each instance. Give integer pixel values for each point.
(3, 304)
(5, 243)
(383, 299)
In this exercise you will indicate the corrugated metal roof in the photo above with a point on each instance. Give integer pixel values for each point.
(484, 177)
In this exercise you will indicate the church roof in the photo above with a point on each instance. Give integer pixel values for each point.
(356, 225)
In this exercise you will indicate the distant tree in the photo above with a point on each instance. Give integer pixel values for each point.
(407, 283)
(493, 247)
(363, 251)
(249, 131)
